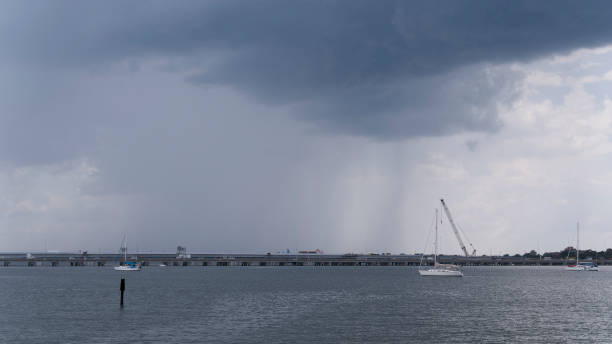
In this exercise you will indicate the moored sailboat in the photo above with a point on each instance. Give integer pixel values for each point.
(448, 270)
(126, 265)
(586, 266)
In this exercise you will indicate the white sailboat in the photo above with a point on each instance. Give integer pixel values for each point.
(586, 266)
(447, 270)
(126, 265)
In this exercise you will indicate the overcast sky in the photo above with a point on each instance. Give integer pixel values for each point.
(260, 126)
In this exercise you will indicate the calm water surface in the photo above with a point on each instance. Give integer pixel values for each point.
(305, 305)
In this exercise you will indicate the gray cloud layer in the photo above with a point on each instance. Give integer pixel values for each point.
(385, 69)
(170, 118)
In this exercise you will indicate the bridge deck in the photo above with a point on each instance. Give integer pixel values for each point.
(74, 259)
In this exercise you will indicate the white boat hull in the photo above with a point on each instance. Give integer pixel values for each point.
(127, 268)
(441, 273)
(574, 268)
(582, 268)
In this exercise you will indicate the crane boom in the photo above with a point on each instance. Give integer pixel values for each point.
(450, 219)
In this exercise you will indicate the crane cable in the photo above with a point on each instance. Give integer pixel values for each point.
(468, 239)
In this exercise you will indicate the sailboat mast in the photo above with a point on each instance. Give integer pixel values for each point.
(577, 242)
(436, 242)
(124, 247)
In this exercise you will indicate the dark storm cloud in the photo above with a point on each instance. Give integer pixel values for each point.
(385, 69)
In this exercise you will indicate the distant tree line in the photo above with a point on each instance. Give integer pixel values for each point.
(568, 252)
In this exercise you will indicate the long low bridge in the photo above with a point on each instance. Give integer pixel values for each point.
(151, 259)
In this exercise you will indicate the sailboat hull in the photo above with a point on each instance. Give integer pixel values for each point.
(581, 267)
(127, 268)
(574, 268)
(441, 273)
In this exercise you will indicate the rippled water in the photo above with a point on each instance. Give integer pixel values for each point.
(304, 304)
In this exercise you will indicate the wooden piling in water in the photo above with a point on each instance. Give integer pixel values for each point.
(122, 288)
